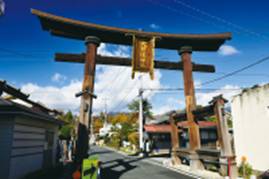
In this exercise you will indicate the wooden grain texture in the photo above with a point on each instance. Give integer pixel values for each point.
(124, 61)
(194, 133)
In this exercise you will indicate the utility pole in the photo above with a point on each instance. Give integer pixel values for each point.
(141, 144)
(105, 112)
(141, 114)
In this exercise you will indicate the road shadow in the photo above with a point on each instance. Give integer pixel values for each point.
(99, 152)
(164, 155)
(116, 168)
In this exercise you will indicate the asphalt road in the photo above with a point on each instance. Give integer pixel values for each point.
(117, 166)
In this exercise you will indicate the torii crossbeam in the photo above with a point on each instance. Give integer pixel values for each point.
(94, 34)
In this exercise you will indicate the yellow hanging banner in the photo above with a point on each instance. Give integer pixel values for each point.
(143, 55)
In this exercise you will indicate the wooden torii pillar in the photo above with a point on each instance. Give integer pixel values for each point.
(227, 160)
(194, 134)
(86, 98)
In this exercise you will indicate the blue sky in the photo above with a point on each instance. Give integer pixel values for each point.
(26, 52)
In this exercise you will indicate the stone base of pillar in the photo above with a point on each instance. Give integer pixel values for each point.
(234, 171)
(195, 162)
(224, 168)
(175, 160)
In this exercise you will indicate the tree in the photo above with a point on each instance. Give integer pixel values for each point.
(147, 107)
(67, 130)
(134, 138)
(123, 125)
(98, 123)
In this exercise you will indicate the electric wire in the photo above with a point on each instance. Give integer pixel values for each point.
(236, 71)
(124, 98)
(222, 20)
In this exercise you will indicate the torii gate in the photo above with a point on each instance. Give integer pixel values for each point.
(93, 34)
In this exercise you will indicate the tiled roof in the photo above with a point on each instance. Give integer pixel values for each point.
(165, 128)
(10, 107)
(157, 128)
(201, 124)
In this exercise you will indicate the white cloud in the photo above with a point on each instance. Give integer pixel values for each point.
(55, 97)
(167, 105)
(57, 77)
(227, 50)
(197, 83)
(119, 51)
(154, 26)
(228, 91)
(116, 85)
(112, 82)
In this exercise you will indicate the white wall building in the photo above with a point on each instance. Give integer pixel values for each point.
(250, 111)
(105, 130)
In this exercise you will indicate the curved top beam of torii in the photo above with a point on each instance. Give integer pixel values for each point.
(69, 28)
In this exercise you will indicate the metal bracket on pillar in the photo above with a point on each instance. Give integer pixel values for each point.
(185, 49)
(87, 91)
(92, 39)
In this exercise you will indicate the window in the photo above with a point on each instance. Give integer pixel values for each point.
(212, 135)
(204, 134)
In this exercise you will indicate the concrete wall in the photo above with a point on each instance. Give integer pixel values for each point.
(6, 128)
(250, 112)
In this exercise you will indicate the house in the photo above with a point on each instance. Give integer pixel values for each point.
(159, 131)
(28, 137)
(250, 113)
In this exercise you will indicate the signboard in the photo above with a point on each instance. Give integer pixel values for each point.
(90, 168)
(143, 55)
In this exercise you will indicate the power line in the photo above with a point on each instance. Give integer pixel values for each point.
(198, 18)
(236, 71)
(224, 21)
(123, 99)
(114, 80)
(196, 89)
(244, 74)
(120, 103)
(122, 89)
(228, 25)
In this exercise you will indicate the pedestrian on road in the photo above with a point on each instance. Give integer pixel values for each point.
(70, 149)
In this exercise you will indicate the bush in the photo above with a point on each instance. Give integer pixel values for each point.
(245, 169)
(115, 141)
(134, 138)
